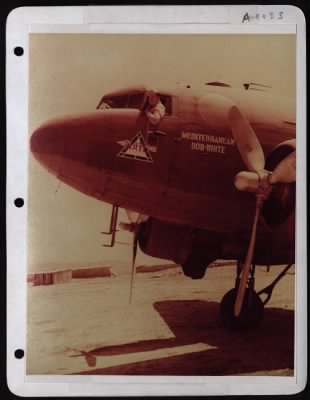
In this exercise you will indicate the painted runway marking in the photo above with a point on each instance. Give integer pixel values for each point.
(79, 364)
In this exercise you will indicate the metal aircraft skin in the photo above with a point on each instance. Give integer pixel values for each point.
(183, 172)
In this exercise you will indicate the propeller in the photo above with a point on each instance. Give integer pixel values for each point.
(134, 226)
(246, 140)
(134, 255)
(248, 259)
(135, 217)
(257, 180)
(285, 171)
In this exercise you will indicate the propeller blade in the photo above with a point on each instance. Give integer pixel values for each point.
(132, 215)
(247, 262)
(249, 147)
(125, 226)
(285, 171)
(136, 217)
(134, 255)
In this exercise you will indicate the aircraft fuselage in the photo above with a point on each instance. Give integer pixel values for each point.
(181, 171)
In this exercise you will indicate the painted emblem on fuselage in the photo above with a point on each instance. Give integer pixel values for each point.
(136, 149)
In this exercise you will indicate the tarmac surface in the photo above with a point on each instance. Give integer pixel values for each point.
(171, 327)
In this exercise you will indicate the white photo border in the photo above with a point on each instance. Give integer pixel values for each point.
(135, 19)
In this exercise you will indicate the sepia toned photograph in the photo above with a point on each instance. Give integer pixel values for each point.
(161, 204)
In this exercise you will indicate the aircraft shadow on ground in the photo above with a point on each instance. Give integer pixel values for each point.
(267, 348)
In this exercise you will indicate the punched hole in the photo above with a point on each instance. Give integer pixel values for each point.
(19, 353)
(19, 202)
(18, 51)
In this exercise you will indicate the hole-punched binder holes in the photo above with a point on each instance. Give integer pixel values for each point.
(19, 354)
(19, 202)
(18, 51)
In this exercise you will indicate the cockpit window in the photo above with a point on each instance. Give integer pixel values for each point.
(166, 100)
(134, 100)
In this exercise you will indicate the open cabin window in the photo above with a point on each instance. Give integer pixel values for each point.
(154, 133)
(133, 100)
(167, 102)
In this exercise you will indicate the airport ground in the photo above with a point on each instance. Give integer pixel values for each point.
(171, 327)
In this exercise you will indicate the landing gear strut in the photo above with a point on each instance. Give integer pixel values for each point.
(252, 309)
(253, 306)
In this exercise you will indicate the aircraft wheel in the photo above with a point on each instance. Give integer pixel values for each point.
(251, 314)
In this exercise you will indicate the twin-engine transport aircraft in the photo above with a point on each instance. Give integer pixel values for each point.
(213, 179)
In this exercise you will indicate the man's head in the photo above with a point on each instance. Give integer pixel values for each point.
(153, 97)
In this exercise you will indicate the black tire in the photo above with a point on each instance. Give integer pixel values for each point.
(251, 313)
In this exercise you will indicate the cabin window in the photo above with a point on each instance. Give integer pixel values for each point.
(114, 102)
(136, 100)
(133, 100)
(166, 100)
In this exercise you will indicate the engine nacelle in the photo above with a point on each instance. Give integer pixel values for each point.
(163, 240)
(194, 249)
(281, 201)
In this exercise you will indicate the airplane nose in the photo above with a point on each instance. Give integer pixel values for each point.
(67, 143)
(47, 140)
(47, 145)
